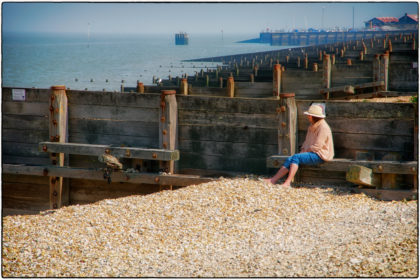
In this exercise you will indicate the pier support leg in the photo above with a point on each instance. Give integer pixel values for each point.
(384, 70)
(376, 68)
(58, 133)
(230, 87)
(140, 87)
(276, 80)
(326, 71)
(184, 87)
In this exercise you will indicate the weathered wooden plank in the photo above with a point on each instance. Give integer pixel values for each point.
(361, 175)
(237, 134)
(127, 128)
(119, 152)
(25, 122)
(97, 174)
(114, 140)
(225, 119)
(25, 108)
(119, 99)
(113, 113)
(21, 149)
(389, 195)
(24, 135)
(348, 89)
(338, 164)
(393, 143)
(44, 160)
(227, 148)
(229, 163)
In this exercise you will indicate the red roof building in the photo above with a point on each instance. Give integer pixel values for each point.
(409, 19)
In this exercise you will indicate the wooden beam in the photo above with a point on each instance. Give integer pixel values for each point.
(361, 175)
(388, 195)
(119, 152)
(339, 164)
(97, 174)
(346, 89)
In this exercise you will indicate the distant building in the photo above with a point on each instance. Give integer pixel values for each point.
(181, 38)
(409, 19)
(380, 21)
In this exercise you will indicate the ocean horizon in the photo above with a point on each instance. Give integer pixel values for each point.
(101, 61)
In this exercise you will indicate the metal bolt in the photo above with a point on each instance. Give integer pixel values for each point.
(164, 132)
(127, 153)
(157, 179)
(54, 122)
(164, 145)
(380, 168)
(283, 108)
(44, 148)
(162, 119)
(283, 124)
(154, 155)
(55, 206)
(55, 193)
(285, 151)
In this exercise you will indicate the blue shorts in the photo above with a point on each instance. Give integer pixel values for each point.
(308, 158)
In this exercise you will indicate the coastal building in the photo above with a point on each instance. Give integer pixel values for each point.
(380, 21)
(181, 38)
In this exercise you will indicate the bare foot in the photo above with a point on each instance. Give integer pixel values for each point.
(285, 186)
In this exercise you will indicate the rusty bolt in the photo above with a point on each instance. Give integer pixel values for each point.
(380, 168)
(55, 206)
(55, 193)
(44, 148)
(57, 138)
(127, 153)
(52, 180)
(51, 138)
(52, 97)
(51, 109)
(413, 169)
(283, 124)
(276, 163)
(285, 151)
(156, 179)
(164, 132)
(162, 119)
(154, 155)
(57, 110)
(277, 109)
(283, 108)
(164, 145)
(54, 122)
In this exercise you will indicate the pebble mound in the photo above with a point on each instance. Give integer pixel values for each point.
(226, 228)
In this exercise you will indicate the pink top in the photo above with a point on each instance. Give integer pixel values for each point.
(319, 140)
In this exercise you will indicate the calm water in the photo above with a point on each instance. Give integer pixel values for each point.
(104, 61)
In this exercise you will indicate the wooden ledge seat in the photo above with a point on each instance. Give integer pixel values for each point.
(119, 152)
(342, 164)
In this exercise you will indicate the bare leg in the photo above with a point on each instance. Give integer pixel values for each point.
(282, 171)
(292, 172)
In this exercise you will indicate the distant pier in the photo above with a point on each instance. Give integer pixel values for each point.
(316, 38)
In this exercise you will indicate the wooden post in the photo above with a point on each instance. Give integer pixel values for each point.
(58, 121)
(256, 70)
(207, 80)
(184, 87)
(376, 68)
(230, 87)
(349, 61)
(221, 82)
(306, 62)
(287, 128)
(326, 68)
(168, 115)
(332, 59)
(140, 87)
(298, 62)
(361, 55)
(384, 70)
(389, 45)
(276, 80)
(315, 67)
(251, 78)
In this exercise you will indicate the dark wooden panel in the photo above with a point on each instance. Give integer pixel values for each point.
(25, 195)
(226, 104)
(25, 136)
(114, 139)
(236, 134)
(113, 113)
(25, 122)
(22, 149)
(99, 98)
(123, 128)
(233, 163)
(224, 119)
(25, 108)
(31, 95)
(26, 160)
(227, 148)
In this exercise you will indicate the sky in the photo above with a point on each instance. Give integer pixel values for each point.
(193, 18)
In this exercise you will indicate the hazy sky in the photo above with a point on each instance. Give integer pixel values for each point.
(200, 17)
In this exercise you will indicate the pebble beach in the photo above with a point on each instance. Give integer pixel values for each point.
(238, 227)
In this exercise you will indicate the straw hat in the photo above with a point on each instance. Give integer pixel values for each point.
(315, 111)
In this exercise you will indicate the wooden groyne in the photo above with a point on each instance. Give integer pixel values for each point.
(363, 68)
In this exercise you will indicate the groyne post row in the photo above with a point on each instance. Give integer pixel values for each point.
(341, 65)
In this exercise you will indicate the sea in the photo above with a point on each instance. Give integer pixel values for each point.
(107, 61)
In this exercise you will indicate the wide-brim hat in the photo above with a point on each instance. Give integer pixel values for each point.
(315, 111)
